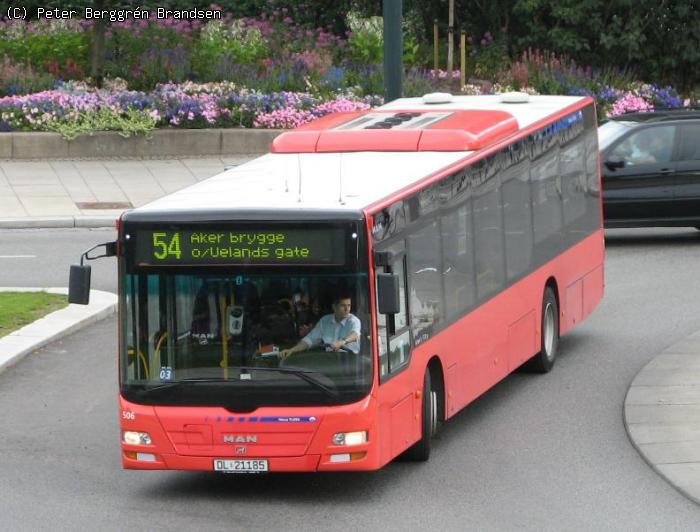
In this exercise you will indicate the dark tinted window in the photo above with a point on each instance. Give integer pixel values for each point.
(424, 273)
(649, 145)
(689, 137)
(546, 196)
(458, 260)
(394, 338)
(572, 159)
(488, 226)
(518, 219)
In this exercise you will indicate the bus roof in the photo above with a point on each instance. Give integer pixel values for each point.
(350, 173)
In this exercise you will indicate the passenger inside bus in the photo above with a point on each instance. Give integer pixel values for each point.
(307, 312)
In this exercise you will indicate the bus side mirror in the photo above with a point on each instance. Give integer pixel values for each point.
(388, 293)
(79, 278)
(79, 284)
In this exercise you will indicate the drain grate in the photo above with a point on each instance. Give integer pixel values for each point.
(104, 205)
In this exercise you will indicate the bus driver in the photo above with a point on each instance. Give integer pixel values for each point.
(340, 330)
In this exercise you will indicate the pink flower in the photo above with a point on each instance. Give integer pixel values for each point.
(630, 102)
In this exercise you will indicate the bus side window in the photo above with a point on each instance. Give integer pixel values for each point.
(425, 274)
(394, 334)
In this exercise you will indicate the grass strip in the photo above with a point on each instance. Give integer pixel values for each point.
(18, 309)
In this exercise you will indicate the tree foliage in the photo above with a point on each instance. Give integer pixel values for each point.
(656, 38)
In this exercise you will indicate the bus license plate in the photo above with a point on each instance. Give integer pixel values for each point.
(240, 466)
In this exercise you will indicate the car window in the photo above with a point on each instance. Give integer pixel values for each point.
(689, 137)
(649, 145)
(611, 131)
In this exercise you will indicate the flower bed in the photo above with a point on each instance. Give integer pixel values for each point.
(271, 71)
(75, 108)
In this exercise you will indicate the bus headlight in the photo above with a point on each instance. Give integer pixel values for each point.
(350, 438)
(136, 438)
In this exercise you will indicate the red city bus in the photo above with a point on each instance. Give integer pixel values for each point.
(410, 256)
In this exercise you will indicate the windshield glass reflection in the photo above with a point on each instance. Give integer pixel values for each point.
(267, 334)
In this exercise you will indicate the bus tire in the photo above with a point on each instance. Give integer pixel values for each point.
(543, 361)
(420, 451)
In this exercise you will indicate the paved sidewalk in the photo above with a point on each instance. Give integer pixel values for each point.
(92, 193)
(662, 415)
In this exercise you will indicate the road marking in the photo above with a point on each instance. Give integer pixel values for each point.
(17, 256)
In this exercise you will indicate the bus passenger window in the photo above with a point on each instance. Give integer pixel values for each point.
(424, 269)
(488, 226)
(382, 339)
(517, 215)
(395, 339)
(399, 350)
(458, 261)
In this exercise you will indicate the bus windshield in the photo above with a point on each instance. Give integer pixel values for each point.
(215, 339)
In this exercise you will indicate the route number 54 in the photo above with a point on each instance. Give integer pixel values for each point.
(162, 248)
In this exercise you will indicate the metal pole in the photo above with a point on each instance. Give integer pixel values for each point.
(463, 60)
(435, 48)
(450, 40)
(393, 49)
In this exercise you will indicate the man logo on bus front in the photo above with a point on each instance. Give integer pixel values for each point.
(241, 450)
(240, 438)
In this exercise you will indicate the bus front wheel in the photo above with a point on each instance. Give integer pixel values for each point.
(543, 361)
(420, 451)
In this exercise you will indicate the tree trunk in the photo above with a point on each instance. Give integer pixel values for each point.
(97, 52)
(451, 40)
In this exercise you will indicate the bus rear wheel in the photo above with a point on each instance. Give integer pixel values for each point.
(420, 451)
(543, 361)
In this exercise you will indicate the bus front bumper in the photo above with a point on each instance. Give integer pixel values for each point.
(270, 439)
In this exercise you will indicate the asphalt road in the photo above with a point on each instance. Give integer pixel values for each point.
(42, 257)
(535, 453)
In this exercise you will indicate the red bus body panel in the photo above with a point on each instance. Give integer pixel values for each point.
(292, 439)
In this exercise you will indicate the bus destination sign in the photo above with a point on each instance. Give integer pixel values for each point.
(266, 247)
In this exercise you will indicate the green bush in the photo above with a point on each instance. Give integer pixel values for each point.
(366, 41)
(58, 47)
(223, 43)
(16, 78)
(126, 123)
(149, 55)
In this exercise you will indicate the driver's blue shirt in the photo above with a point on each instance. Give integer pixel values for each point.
(328, 330)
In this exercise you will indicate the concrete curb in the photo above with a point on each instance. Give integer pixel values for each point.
(662, 415)
(162, 143)
(48, 222)
(15, 346)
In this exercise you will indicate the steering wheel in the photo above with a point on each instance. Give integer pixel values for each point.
(343, 348)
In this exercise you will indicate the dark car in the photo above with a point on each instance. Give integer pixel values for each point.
(651, 169)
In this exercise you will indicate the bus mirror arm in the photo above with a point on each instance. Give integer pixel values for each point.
(79, 279)
(388, 293)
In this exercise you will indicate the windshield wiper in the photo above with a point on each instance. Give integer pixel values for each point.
(191, 380)
(303, 374)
